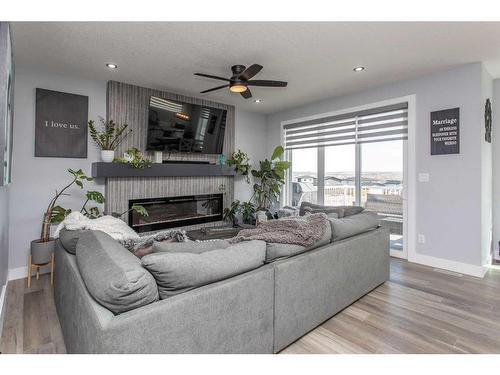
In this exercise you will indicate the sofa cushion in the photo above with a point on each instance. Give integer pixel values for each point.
(69, 239)
(189, 247)
(340, 210)
(112, 274)
(177, 273)
(354, 224)
(276, 251)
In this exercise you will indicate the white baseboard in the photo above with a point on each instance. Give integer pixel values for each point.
(3, 295)
(22, 272)
(450, 265)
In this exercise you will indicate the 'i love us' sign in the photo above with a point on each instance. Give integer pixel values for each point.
(60, 124)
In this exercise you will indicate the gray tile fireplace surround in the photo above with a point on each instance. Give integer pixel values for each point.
(129, 104)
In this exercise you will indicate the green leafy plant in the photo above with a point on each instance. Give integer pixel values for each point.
(229, 213)
(241, 163)
(141, 210)
(248, 210)
(55, 214)
(271, 176)
(134, 158)
(110, 136)
(92, 212)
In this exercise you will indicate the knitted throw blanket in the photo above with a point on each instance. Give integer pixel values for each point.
(304, 230)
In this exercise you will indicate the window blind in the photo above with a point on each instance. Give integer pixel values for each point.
(380, 124)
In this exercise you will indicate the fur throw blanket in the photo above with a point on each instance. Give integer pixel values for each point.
(120, 231)
(116, 228)
(304, 230)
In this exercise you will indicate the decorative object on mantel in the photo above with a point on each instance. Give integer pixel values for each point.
(241, 163)
(445, 132)
(60, 124)
(109, 138)
(42, 249)
(487, 121)
(134, 158)
(221, 159)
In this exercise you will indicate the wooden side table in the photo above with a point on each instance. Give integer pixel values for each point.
(37, 267)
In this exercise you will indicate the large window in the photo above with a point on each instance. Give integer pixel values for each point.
(304, 175)
(347, 159)
(351, 159)
(340, 175)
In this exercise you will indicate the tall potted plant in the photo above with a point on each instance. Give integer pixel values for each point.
(271, 177)
(108, 138)
(42, 248)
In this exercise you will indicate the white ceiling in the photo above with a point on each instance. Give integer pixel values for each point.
(315, 58)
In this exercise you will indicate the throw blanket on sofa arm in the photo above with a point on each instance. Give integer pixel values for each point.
(304, 231)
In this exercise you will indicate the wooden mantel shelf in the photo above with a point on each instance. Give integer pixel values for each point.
(104, 170)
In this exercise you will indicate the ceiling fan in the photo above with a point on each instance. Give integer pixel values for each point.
(241, 79)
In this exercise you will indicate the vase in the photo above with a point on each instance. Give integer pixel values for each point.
(107, 156)
(41, 252)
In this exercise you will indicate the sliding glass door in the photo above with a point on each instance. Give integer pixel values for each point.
(352, 159)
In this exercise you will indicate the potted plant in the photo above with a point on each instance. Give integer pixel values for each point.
(241, 163)
(271, 177)
(134, 158)
(230, 213)
(108, 138)
(42, 248)
(248, 210)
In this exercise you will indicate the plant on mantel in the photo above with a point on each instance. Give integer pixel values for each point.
(109, 138)
(241, 163)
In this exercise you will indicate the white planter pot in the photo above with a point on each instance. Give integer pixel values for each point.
(107, 156)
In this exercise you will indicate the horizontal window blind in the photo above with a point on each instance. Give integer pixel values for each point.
(373, 125)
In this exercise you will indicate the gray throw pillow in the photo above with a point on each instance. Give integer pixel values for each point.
(69, 239)
(189, 247)
(113, 275)
(177, 273)
(354, 224)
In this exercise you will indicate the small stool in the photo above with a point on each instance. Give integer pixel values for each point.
(37, 267)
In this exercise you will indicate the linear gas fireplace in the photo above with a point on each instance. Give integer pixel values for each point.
(174, 212)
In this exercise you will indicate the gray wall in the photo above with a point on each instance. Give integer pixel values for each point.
(486, 173)
(34, 180)
(4, 235)
(449, 205)
(250, 137)
(495, 134)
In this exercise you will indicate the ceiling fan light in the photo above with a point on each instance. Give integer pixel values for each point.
(238, 88)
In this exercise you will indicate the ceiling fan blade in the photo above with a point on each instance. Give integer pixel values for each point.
(213, 89)
(247, 94)
(267, 83)
(250, 72)
(213, 77)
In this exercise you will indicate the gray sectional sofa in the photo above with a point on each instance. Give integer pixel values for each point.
(277, 295)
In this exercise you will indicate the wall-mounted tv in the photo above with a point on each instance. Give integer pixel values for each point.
(183, 127)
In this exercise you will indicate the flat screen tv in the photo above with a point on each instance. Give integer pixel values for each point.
(184, 127)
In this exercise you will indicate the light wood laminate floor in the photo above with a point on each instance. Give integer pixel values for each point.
(420, 310)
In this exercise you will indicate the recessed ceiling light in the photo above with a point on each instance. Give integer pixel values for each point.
(359, 68)
(258, 100)
(111, 66)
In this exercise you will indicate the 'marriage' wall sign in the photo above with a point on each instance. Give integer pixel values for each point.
(445, 132)
(60, 124)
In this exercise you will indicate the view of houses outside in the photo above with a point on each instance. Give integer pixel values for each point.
(381, 181)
